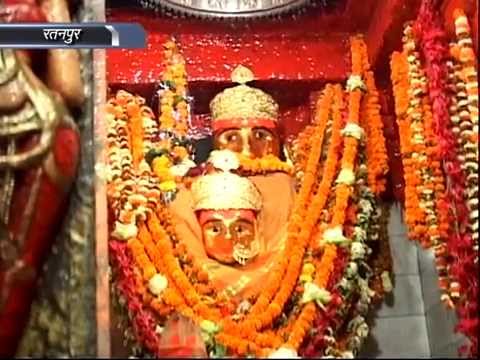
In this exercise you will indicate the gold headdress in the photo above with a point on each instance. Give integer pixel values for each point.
(225, 191)
(242, 101)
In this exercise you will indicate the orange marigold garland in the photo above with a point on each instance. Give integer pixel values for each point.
(324, 268)
(371, 121)
(425, 191)
(414, 214)
(434, 196)
(347, 177)
(425, 199)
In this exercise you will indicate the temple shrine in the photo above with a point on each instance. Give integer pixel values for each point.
(272, 179)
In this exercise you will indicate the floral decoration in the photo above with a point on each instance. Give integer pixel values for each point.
(436, 101)
(317, 295)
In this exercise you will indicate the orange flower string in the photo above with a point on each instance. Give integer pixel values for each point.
(371, 121)
(414, 215)
(141, 258)
(467, 94)
(136, 131)
(325, 267)
(301, 202)
(417, 89)
(350, 150)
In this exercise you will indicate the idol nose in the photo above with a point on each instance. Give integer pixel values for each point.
(246, 151)
(246, 147)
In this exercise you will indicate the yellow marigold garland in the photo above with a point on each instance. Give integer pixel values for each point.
(174, 110)
(264, 165)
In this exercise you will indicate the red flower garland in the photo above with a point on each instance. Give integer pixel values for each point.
(433, 41)
(315, 344)
(143, 320)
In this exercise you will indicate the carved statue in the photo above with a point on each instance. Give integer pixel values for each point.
(39, 151)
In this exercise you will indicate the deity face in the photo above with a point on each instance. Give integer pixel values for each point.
(253, 142)
(229, 236)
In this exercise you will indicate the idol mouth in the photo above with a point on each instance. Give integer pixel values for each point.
(242, 254)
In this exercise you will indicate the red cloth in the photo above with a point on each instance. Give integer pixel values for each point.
(181, 338)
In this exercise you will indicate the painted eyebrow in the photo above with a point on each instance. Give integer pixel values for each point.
(243, 222)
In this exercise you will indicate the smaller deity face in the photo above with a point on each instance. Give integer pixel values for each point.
(253, 142)
(229, 236)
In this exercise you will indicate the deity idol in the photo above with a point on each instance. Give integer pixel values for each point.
(228, 223)
(227, 206)
(245, 125)
(39, 149)
(245, 119)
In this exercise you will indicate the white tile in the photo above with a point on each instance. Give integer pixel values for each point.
(404, 255)
(400, 337)
(441, 323)
(430, 290)
(450, 351)
(406, 299)
(426, 260)
(396, 225)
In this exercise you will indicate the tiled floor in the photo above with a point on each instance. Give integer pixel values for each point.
(402, 337)
(411, 323)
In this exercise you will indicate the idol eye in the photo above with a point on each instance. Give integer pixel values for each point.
(232, 137)
(259, 135)
(239, 229)
(262, 135)
(216, 229)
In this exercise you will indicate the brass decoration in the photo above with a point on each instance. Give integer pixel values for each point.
(242, 75)
(228, 8)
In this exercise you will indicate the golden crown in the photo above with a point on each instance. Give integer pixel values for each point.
(225, 191)
(243, 101)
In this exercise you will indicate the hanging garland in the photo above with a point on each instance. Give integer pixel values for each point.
(371, 121)
(315, 291)
(466, 122)
(169, 157)
(424, 181)
(414, 214)
(437, 114)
